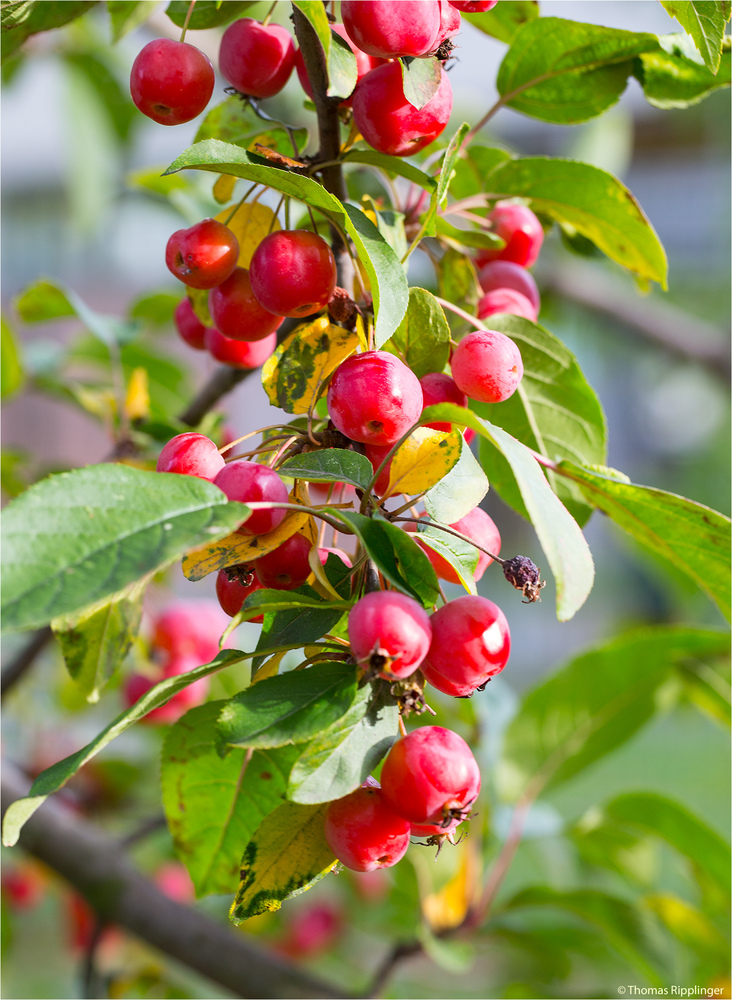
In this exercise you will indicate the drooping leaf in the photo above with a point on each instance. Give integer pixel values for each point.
(341, 757)
(286, 855)
(422, 340)
(75, 538)
(705, 22)
(11, 369)
(591, 200)
(459, 492)
(568, 72)
(424, 459)
(554, 412)
(386, 275)
(420, 79)
(21, 20)
(331, 465)
(693, 538)
(126, 15)
(250, 224)
(213, 805)
(294, 376)
(672, 78)
(595, 703)
(206, 13)
(505, 19)
(96, 641)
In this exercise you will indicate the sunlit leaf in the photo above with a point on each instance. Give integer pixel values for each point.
(250, 224)
(705, 22)
(424, 459)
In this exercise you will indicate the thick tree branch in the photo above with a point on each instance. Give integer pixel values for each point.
(96, 867)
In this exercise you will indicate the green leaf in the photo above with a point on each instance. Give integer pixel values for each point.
(693, 538)
(331, 465)
(386, 274)
(395, 165)
(342, 67)
(567, 72)
(297, 626)
(690, 926)
(340, 758)
(47, 300)
(595, 703)
(157, 309)
(96, 641)
(21, 20)
(554, 412)
(459, 492)
(444, 179)
(672, 78)
(288, 708)
(58, 774)
(673, 823)
(206, 13)
(505, 19)
(115, 100)
(705, 21)
(75, 538)
(314, 11)
(396, 556)
(214, 805)
(478, 238)
(234, 121)
(591, 200)
(461, 555)
(422, 340)
(287, 855)
(126, 15)
(420, 80)
(11, 369)
(472, 171)
(458, 281)
(619, 921)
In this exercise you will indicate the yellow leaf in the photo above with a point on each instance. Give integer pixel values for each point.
(137, 400)
(250, 224)
(287, 855)
(423, 460)
(294, 376)
(223, 189)
(686, 923)
(270, 667)
(448, 907)
(236, 548)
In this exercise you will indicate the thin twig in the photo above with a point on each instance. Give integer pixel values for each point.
(24, 660)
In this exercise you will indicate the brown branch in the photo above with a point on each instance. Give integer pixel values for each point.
(95, 866)
(26, 657)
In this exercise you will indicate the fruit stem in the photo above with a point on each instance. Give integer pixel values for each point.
(239, 204)
(452, 531)
(273, 427)
(402, 727)
(342, 526)
(270, 12)
(191, 5)
(461, 312)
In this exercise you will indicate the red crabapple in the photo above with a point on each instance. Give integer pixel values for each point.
(189, 326)
(449, 24)
(473, 6)
(171, 82)
(243, 481)
(440, 388)
(470, 644)
(204, 255)
(191, 454)
(430, 776)
(233, 585)
(293, 272)
(481, 528)
(364, 63)
(189, 630)
(239, 353)
(363, 832)
(374, 398)
(256, 59)
(386, 119)
(506, 300)
(286, 567)
(487, 366)
(237, 313)
(506, 274)
(389, 30)
(324, 551)
(389, 633)
(520, 228)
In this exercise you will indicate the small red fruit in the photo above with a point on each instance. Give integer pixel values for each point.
(171, 82)
(473, 6)
(449, 23)
(189, 326)
(374, 398)
(286, 567)
(386, 119)
(239, 353)
(191, 454)
(440, 388)
(293, 273)
(389, 633)
(520, 228)
(255, 58)
(237, 313)
(189, 630)
(487, 366)
(233, 585)
(204, 255)
(363, 832)
(471, 643)
(506, 274)
(244, 481)
(430, 776)
(324, 551)
(506, 300)
(390, 30)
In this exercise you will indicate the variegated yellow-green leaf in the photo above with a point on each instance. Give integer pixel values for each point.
(286, 855)
(237, 548)
(423, 460)
(294, 376)
(250, 224)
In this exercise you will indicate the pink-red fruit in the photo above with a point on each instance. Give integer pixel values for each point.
(247, 481)
(363, 832)
(470, 644)
(386, 119)
(520, 228)
(389, 633)
(374, 398)
(256, 59)
(204, 255)
(239, 353)
(189, 326)
(506, 300)
(188, 630)
(473, 6)
(506, 274)
(287, 567)
(487, 366)
(389, 30)
(440, 388)
(430, 776)
(233, 585)
(171, 82)
(191, 454)
(236, 311)
(293, 273)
